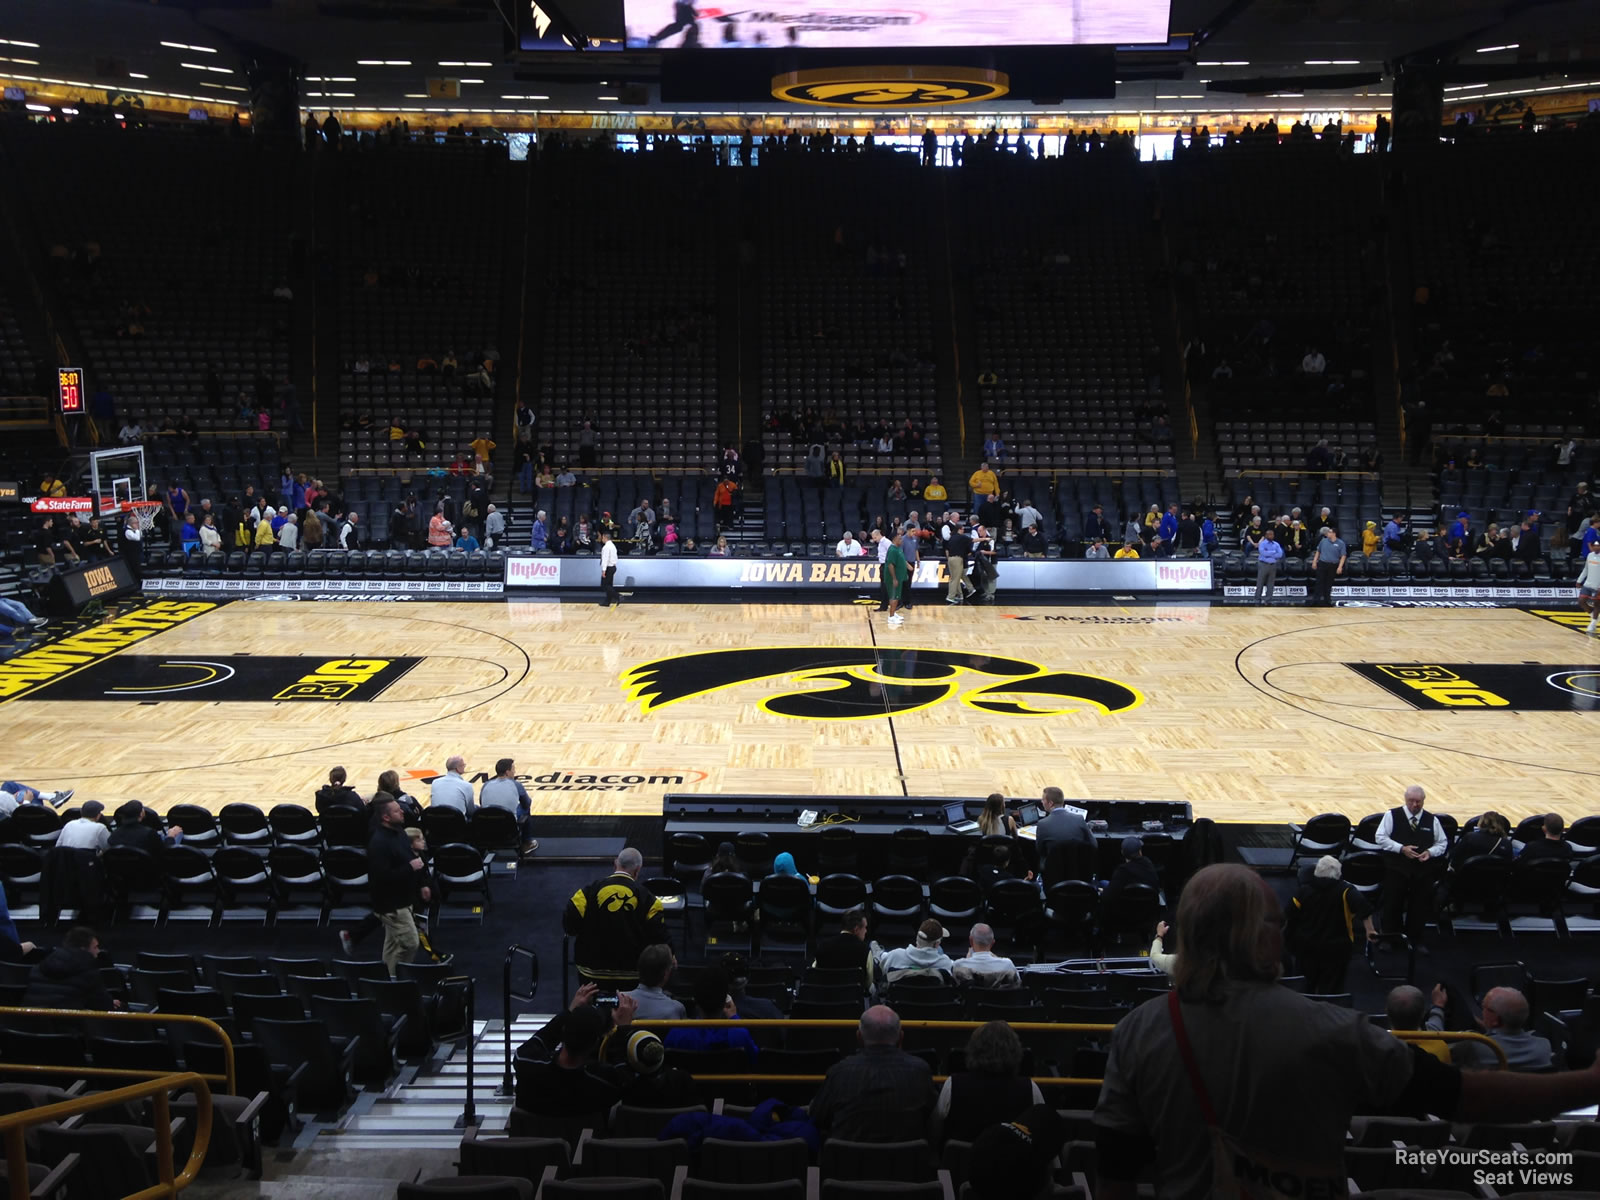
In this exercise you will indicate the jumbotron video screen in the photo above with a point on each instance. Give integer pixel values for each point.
(859, 24)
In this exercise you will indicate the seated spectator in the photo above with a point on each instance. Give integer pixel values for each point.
(925, 957)
(935, 490)
(466, 542)
(450, 790)
(990, 1086)
(336, 793)
(656, 964)
(69, 976)
(1096, 551)
(712, 1001)
(721, 549)
(1552, 845)
(880, 1093)
(1134, 868)
(389, 785)
(848, 547)
(994, 820)
(1160, 957)
(1505, 1019)
(559, 1069)
(506, 791)
(982, 966)
(132, 831)
(86, 831)
(13, 793)
(847, 950)
(751, 1008)
(1491, 835)
(1015, 1158)
(1408, 1009)
(1002, 864)
(1129, 550)
(565, 477)
(723, 860)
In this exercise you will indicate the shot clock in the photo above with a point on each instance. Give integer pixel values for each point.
(69, 390)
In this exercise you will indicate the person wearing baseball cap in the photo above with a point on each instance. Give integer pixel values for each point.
(1134, 868)
(1011, 1161)
(924, 957)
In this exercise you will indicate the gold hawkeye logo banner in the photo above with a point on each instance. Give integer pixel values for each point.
(851, 683)
(891, 87)
(25, 673)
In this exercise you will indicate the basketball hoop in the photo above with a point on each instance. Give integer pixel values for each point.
(144, 511)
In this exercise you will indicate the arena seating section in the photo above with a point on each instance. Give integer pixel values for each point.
(847, 325)
(199, 240)
(419, 252)
(17, 366)
(838, 309)
(310, 1031)
(623, 310)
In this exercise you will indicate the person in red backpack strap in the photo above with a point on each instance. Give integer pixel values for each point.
(1234, 1085)
(613, 920)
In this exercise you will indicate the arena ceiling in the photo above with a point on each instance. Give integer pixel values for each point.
(362, 54)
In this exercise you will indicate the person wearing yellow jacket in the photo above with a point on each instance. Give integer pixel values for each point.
(983, 481)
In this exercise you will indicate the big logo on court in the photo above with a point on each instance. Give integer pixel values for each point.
(850, 683)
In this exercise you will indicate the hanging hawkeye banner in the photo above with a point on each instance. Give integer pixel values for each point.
(843, 574)
(1513, 687)
(143, 678)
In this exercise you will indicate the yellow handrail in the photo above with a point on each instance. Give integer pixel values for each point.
(228, 1078)
(1453, 1035)
(12, 1129)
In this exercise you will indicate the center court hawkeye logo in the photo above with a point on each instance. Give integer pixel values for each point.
(577, 779)
(857, 683)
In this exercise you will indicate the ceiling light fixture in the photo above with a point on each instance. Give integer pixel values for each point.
(203, 67)
(136, 75)
(397, 62)
(469, 81)
(44, 108)
(1492, 49)
(605, 97)
(26, 62)
(186, 46)
(14, 42)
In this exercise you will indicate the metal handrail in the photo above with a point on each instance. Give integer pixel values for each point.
(507, 1084)
(229, 1077)
(469, 1112)
(13, 1125)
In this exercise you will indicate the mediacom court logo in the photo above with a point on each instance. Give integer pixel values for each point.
(576, 779)
(851, 683)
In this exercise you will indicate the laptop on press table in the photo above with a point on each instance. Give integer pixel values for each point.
(956, 819)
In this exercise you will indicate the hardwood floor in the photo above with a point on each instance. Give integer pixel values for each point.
(1249, 714)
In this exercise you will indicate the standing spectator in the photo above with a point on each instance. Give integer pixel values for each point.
(1328, 562)
(1321, 928)
(983, 481)
(539, 537)
(1589, 585)
(613, 920)
(608, 568)
(1270, 557)
(588, 446)
(1411, 838)
(1095, 525)
(506, 791)
(911, 548)
(391, 862)
(957, 547)
(494, 528)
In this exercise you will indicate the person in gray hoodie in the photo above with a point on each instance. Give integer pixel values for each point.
(926, 957)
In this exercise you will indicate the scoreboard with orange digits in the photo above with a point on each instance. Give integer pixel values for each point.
(69, 390)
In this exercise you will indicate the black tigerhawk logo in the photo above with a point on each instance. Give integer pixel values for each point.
(850, 683)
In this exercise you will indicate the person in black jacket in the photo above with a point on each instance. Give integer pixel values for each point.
(560, 1071)
(847, 949)
(69, 976)
(1321, 927)
(391, 863)
(1134, 868)
(131, 831)
(336, 793)
(613, 920)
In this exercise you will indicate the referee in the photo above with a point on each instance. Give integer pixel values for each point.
(608, 568)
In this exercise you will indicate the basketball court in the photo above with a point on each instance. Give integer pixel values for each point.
(1249, 714)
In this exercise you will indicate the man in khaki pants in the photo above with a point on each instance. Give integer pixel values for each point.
(956, 548)
(391, 864)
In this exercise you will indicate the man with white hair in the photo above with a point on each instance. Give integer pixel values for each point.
(494, 528)
(289, 533)
(1320, 930)
(982, 966)
(1411, 839)
(450, 790)
(613, 920)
